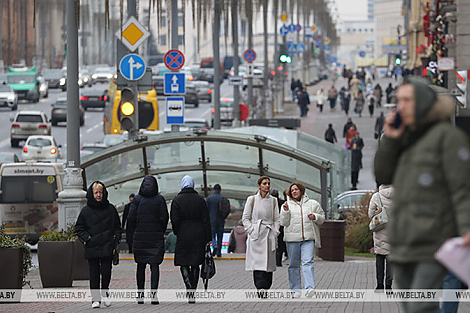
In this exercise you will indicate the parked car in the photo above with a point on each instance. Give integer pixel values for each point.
(226, 111)
(208, 75)
(85, 75)
(204, 91)
(348, 200)
(43, 87)
(8, 157)
(8, 97)
(102, 75)
(55, 78)
(28, 123)
(59, 112)
(114, 139)
(191, 95)
(41, 148)
(93, 98)
(158, 83)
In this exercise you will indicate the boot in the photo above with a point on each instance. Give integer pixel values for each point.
(186, 273)
(379, 288)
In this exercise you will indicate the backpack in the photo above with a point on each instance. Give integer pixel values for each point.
(224, 208)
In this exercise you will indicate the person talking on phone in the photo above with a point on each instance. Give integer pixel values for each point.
(427, 159)
(300, 217)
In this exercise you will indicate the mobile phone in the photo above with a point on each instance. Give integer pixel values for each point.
(397, 122)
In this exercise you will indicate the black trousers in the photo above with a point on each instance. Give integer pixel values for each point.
(354, 178)
(281, 247)
(382, 271)
(263, 279)
(100, 269)
(154, 276)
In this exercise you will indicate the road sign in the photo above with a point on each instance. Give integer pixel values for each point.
(308, 32)
(175, 110)
(314, 28)
(298, 28)
(249, 70)
(132, 67)
(327, 47)
(291, 48)
(334, 59)
(284, 30)
(283, 17)
(300, 48)
(292, 28)
(133, 34)
(249, 55)
(362, 54)
(174, 84)
(235, 80)
(174, 60)
(327, 41)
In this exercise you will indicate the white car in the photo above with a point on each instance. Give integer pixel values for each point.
(41, 148)
(8, 97)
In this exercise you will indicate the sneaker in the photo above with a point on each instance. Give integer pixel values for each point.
(310, 293)
(295, 295)
(106, 301)
(95, 305)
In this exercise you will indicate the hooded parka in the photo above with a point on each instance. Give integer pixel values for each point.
(98, 226)
(381, 245)
(148, 216)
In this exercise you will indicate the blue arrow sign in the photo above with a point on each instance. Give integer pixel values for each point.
(284, 30)
(300, 48)
(327, 47)
(362, 54)
(292, 28)
(175, 84)
(175, 110)
(132, 67)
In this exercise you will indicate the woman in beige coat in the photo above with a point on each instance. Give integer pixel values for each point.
(381, 199)
(355, 83)
(261, 221)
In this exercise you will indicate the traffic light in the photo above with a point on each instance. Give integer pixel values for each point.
(398, 59)
(462, 85)
(283, 56)
(128, 114)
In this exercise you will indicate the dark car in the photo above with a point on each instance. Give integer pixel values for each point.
(93, 98)
(158, 83)
(208, 75)
(59, 112)
(55, 78)
(191, 95)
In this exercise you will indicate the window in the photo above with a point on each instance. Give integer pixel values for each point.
(28, 189)
(360, 30)
(180, 21)
(180, 40)
(348, 30)
(29, 118)
(163, 39)
(163, 21)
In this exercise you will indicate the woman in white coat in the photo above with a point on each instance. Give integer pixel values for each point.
(300, 217)
(321, 98)
(261, 221)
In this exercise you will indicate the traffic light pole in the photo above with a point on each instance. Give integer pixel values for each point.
(216, 49)
(236, 62)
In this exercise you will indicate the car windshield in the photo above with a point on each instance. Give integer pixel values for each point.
(28, 189)
(103, 70)
(61, 103)
(53, 74)
(21, 79)
(32, 118)
(5, 88)
(226, 103)
(40, 142)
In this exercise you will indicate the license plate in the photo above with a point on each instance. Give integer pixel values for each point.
(29, 129)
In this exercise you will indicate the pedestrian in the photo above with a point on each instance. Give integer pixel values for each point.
(217, 221)
(379, 125)
(393, 96)
(356, 165)
(261, 221)
(382, 200)
(359, 104)
(299, 85)
(125, 223)
(388, 91)
(192, 226)
(451, 283)
(321, 99)
(358, 140)
(99, 228)
(304, 101)
(332, 95)
(347, 101)
(378, 95)
(350, 135)
(148, 217)
(355, 83)
(371, 103)
(293, 88)
(330, 134)
(239, 234)
(300, 217)
(362, 77)
(281, 245)
(427, 159)
(170, 243)
(347, 126)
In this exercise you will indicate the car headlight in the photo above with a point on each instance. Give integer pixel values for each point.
(42, 88)
(94, 76)
(85, 79)
(62, 81)
(11, 97)
(80, 82)
(109, 76)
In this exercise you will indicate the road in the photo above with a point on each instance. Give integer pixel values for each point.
(92, 131)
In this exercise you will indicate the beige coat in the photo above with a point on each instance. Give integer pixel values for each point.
(381, 245)
(355, 82)
(261, 221)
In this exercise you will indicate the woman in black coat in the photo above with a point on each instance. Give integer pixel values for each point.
(99, 228)
(356, 165)
(192, 227)
(148, 218)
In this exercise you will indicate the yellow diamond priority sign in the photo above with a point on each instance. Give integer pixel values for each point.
(133, 34)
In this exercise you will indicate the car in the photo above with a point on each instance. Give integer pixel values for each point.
(3, 78)
(93, 98)
(347, 200)
(41, 148)
(102, 75)
(28, 123)
(85, 76)
(204, 91)
(114, 139)
(207, 75)
(159, 84)
(226, 111)
(93, 147)
(258, 78)
(55, 78)
(8, 97)
(59, 112)
(191, 95)
(8, 157)
(43, 87)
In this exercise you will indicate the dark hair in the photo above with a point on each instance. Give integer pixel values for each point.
(217, 187)
(299, 185)
(274, 193)
(131, 195)
(260, 180)
(330, 125)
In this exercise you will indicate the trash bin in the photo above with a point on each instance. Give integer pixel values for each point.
(332, 241)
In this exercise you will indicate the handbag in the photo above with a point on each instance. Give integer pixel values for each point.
(116, 255)
(376, 135)
(232, 244)
(208, 266)
(380, 218)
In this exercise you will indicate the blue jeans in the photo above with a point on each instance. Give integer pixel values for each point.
(294, 95)
(217, 230)
(301, 250)
(451, 282)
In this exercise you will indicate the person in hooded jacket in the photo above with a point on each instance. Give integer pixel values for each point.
(191, 224)
(300, 217)
(148, 218)
(381, 200)
(427, 159)
(99, 228)
(240, 236)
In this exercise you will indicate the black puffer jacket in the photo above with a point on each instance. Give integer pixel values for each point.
(148, 217)
(98, 226)
(192, 227)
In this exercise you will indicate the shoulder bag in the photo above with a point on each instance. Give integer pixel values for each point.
(380, 218)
